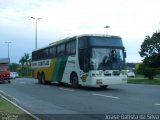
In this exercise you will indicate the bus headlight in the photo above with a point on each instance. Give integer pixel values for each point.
(97, 73)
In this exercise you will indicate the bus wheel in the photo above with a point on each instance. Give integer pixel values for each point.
(103, 87)
(39, 79)
(9, 81)
(74, 80)
(43, 79)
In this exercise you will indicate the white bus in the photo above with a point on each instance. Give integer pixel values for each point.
(84, 60)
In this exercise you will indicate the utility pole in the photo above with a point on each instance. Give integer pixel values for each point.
(8, 47)
(36, 19)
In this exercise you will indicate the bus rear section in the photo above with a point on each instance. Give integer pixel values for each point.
(4, 70)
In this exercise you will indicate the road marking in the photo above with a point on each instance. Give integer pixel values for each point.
(67, 89)
(106, 96)
(157, 104)
(5, 95)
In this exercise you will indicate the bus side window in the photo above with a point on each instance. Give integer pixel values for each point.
(84, 60)
(52, 52)
(71, 48)
(61, 50)
(68, 48)
(46, 53)
(34, 56)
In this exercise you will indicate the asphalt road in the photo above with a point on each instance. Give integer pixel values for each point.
(53, 101)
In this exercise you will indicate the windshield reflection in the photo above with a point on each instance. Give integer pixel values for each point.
(107, 59)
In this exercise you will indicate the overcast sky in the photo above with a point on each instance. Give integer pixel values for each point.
(130, 19)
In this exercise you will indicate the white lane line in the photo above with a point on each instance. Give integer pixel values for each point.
(106, 96)
(3, 95)
(157, 104)
(67, 89)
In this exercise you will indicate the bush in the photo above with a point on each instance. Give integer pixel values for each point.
(158, 71)
(150, 73)
(140, 70)
(25, 72)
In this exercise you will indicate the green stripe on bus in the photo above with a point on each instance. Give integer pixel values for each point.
(59, 68)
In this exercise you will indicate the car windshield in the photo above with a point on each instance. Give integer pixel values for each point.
(107, 59)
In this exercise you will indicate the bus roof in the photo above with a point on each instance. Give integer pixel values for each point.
(83, 35)
(99, 35)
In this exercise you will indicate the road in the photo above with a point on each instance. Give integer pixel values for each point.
(47, 101)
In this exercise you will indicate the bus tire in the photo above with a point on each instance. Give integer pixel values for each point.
(74, 80)
(43, 79)
(103, 87)
(9, 81)
(39, 78)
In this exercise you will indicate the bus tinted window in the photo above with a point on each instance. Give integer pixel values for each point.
(105, 41)
(39, 55)
(61, 50)
(34, 57)
(71, 47)
(45, 53)
(83, 42)
(52, 52)
(68, 49)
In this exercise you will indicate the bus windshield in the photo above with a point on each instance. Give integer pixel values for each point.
(107, 59)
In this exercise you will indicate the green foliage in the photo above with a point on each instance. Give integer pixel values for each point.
(150, 50)
(25, 72)
(150, 46)
(150, 73)
(153, 61)
(14, 113)
(158, 71)
(140, 69)
(144, 81)
(25, 69)
(25, 60)
(7, 107)
(14, 67)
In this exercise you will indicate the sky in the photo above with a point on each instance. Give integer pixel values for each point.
(130, 19)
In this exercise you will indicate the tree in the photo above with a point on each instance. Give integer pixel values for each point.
(150, 50)
(14, 67)
(22, 61)
(25, 62)
(26, 59)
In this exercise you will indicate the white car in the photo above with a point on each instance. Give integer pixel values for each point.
(130, 73)
(13, 75)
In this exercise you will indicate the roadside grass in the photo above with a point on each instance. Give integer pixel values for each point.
(137, 80)
(9, 111)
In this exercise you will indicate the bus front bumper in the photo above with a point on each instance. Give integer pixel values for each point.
(101, 81)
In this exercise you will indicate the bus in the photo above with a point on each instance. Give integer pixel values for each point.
(84, 60)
